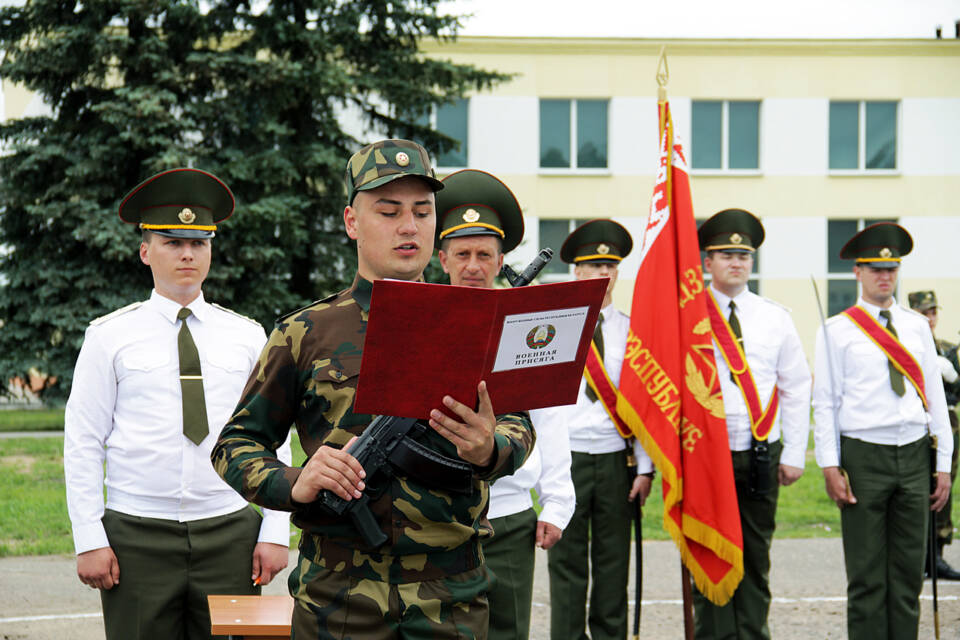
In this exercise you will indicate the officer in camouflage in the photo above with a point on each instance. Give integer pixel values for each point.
(428, 580)
(925, 302)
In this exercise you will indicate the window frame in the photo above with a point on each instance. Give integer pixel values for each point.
(573, 169)
(862, 169)
(566, 276)
(724, 169)
(445, 168)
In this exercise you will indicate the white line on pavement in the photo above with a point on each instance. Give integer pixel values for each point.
(63, 616)
(644, 603)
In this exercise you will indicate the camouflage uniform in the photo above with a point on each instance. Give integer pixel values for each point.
(944, 519)
(429, 579)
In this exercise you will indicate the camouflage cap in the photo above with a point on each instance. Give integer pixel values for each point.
(731, 231)
(922, 300)
(381, 162)
(179, 203)
(598, 241)
(880, 245)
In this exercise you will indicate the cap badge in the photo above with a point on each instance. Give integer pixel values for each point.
(471, 215)
(603, 249)
(885, 252)
(928, 298)
(187, 216)
(736, 238)
(402, 159)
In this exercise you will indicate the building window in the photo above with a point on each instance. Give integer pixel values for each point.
(753, 284)
(725, 135)
(842, 289)
(552, 234)
(451, 120)
(573, 134)
(863, 135)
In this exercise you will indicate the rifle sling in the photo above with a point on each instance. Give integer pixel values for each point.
(433, 469)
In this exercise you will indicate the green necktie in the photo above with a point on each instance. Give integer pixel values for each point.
(896, 378)
(735, 327)
(597, 340)
(191, 383)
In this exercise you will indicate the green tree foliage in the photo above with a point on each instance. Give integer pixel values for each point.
(259, 98)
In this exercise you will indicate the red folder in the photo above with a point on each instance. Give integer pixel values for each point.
(425, 341)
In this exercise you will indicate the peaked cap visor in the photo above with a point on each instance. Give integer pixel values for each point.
(179, 203)
(881, 245)
(475, 203)
(732, 231)
(599, 241)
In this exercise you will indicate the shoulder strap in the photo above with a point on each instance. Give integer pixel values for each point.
(891, 347)
(761, 419)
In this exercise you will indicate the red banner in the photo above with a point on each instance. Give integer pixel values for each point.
(670, 393)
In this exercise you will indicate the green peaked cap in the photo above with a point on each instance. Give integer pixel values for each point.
(922, 300)
(381, 162)
(880, 245)
(731, 230)
(179, 203)
(597, 241)
(476, 203)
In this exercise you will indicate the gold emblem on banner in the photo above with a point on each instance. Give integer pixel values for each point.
(187, 216)
(712, 402)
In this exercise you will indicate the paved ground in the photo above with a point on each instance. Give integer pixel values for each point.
(41, 599)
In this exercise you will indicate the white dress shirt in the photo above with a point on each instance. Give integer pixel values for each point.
(860, 393)
(125, 408)
(590, 427)
(775, 357)
(547, 470)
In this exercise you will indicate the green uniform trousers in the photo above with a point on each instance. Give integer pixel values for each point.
(745, 616)
(168, 568)
(332, 605)
(509, 555)
(883, 537)
(598, 534)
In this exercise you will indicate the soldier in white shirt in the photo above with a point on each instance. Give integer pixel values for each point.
(479, 220)
(598, 535)
(154, 383)
(877, 394)
(768, 412)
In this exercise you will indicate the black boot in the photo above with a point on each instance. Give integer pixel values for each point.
(944, 570)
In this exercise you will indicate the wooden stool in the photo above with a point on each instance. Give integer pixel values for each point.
(253, 617)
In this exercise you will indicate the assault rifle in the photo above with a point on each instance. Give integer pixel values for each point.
(388, 446)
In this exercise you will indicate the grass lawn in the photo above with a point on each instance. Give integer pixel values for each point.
(33, 511)
(31, 420)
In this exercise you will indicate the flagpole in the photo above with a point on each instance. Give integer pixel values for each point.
(663, 77)
(687, 602)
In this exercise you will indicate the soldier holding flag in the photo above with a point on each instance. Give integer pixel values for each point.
(766, 394)
(599, 532)
(880, 400)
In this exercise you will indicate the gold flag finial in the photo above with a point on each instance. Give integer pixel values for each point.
(663, 75)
